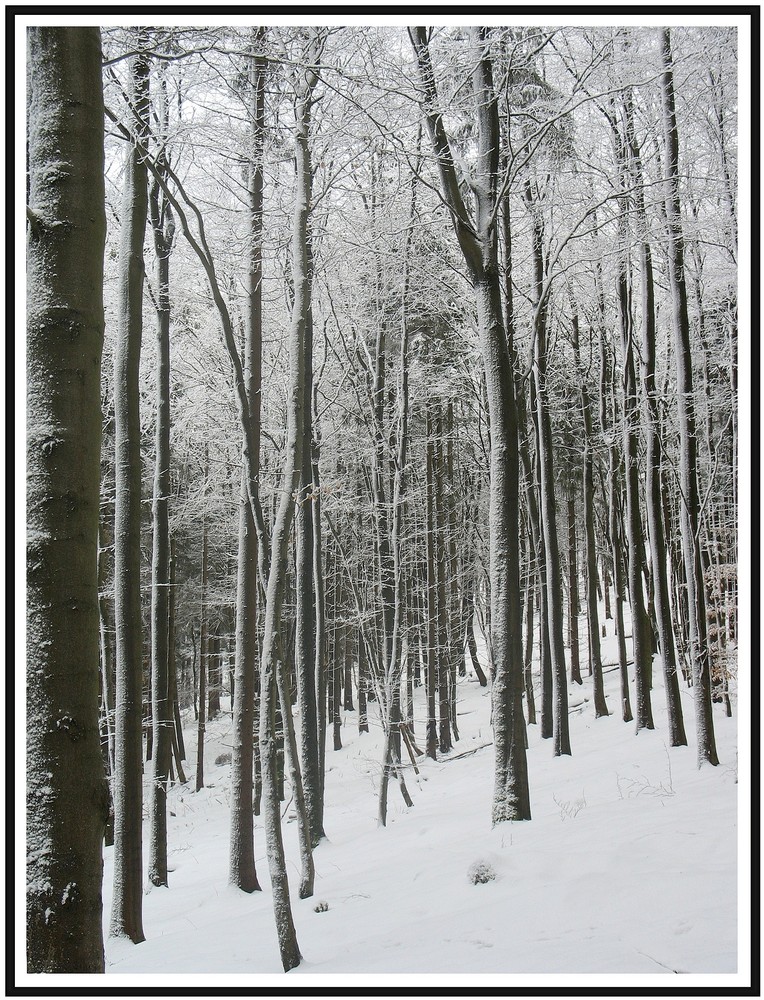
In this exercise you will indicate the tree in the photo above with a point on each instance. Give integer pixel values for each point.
(690, 500)
(242, 858)
(548, 504)
(126, 913)
(477, 238)
(67, 796)
(639, 622)
(653, 447)
(163, 228)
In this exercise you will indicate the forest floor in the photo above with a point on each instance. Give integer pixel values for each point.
(628, 867)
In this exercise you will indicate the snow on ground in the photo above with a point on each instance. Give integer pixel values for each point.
(627, 867)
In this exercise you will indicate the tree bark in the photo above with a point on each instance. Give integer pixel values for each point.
(297, 399)
(67, 795)
(592, 610)
(548, 505)
(575, 660)
(688, 474)
(242, 868)
(126, 913)
(478, 243)
(204, 647)
(163, 229)
(639, 623)
(653, 459)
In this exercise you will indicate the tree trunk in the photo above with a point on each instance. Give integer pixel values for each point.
(560, 729)
(160, 569)
(592, 610)
(321, 666)
(363, 721)
(307, 873)
(653, 462)
(478, 243)
(575, 661)
(176, 727)
(688, 475)
(639, 623)
(443, 649)
(67, 795)
(126, 913)
(530, 700)
(204, 647)
(298, 398)
(430, 676)
(305, 639)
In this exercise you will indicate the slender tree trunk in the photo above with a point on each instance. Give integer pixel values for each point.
(468, 633)
(575, 661)
(321, 666)
(126, 913)
(176, 727)
(560, 729)
(363, 721)
(653, 462)
(688, 474)
(530, 700)
(478, 243)
(592, 610)
(432, 730)
(639, 622)
(67, 794)
(242, 868)
(307, 873)
(204, 647)
(106, 631)
(444, 694)
(162, 719)
(305, 639)
(538, 564)
(297, 399)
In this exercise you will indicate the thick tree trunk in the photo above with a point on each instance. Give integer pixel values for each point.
(126, 913)
(688, 474)
(67, 795)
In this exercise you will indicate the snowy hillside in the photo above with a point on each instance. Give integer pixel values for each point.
(628, 866)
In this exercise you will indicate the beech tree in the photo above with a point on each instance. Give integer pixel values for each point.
(463, 286)
(126, 913)
(689, 502)
(67, 796)
(478, 241)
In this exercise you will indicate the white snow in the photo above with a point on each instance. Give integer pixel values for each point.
(628, 867)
